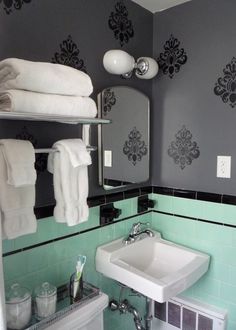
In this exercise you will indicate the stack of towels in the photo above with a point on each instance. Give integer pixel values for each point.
(45, 88)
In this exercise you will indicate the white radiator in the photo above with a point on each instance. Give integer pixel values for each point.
(188, 314)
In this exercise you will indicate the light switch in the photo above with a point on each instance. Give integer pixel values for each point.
(224, 167)
(107, 158)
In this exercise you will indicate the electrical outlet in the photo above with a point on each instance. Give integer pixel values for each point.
(223, 167)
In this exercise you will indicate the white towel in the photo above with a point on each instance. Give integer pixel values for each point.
(86, 134)
(20, 158)
(70, 178)
(43, 77)
(2, 291)
(31, 102)
(17, 206)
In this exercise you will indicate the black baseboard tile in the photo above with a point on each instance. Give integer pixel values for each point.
(163, 191)
(190, 194)
(209, 197)
(229, 199)
(96, 200)
(116, 197)
(132, 193)
(146, 190)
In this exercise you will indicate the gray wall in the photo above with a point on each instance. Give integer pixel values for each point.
(36, 31)
(206, 30)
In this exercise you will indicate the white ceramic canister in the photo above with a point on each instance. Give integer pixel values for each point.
(18, 307)
(46, 300)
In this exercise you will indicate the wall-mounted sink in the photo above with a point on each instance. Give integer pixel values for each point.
(157, 268)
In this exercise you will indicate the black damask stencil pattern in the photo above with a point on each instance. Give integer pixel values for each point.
(183, 150)
(226, 85)
(134, 148)
(120, 24)
(10, 5)
(40, 159)
(69, 55)
(109, 100)
(171, 60)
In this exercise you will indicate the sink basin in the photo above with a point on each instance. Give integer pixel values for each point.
(157, 268)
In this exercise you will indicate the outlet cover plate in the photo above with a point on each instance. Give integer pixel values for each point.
(223, 167)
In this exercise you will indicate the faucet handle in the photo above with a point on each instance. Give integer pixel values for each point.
(137, 227)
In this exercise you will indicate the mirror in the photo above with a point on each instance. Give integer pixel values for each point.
(123, 144)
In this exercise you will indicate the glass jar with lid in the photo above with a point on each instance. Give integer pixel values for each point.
(18, 307)
(46, 300)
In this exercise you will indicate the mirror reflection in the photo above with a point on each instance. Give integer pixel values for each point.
(123, 144)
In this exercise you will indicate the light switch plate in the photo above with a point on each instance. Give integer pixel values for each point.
(107, 158)
(223, 167)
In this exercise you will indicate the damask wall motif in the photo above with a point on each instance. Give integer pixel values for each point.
(10, 5)
(134, 148)
(109, 100)
(69, 55)
(173, 57)
(226, 85)
(183, 150)
(120, 24)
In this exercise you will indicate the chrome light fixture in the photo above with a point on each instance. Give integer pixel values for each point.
(119, 62)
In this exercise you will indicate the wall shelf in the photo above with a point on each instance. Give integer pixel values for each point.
(51, 118)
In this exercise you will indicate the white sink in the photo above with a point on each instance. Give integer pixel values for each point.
(157, 268)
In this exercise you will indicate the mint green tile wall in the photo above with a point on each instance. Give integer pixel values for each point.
(218, 286)
(55, 261)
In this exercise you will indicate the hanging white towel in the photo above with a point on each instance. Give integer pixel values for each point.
(86, 134)
(43, 77)
(20, 158)
(70, 177)
(2, 291)
(17, 206)
(31, 102)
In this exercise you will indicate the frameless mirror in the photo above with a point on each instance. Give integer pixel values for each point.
(123, 144)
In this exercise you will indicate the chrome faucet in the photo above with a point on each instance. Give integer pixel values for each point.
(138, 231)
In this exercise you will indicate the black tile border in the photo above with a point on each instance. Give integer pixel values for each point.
(7, 254)
(209, 197)
(47, 211)
(195, 219)
(163, 190)
(185, 193)
(198, 195)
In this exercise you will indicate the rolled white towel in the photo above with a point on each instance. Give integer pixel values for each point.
(43, 77)
(31, 102)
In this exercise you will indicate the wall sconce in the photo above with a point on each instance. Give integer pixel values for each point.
(119, 62)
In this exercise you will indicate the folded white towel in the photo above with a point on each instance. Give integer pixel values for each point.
(17, 206)
(2, 291)
(43, 77)
(70, 178)
(30, 102)
(76, 150)
(20, 158)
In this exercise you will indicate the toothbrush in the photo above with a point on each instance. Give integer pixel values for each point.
(79, 268)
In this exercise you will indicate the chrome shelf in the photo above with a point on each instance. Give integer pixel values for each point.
(51, 118)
